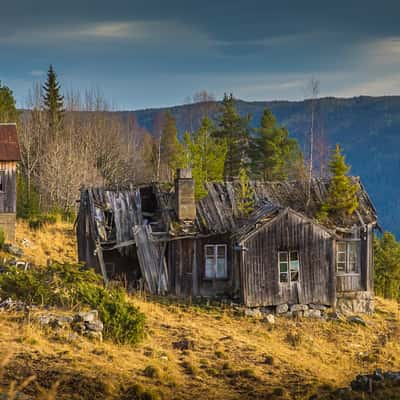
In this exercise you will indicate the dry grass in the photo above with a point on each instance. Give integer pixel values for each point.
(227, 361)
(54, 242)
(233, 357)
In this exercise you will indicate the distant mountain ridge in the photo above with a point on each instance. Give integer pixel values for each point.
(368, 128)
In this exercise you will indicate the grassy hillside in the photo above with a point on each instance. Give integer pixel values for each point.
(228, 357)
(368, 128)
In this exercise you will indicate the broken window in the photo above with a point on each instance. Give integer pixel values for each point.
(289, 266)
(216, 261)
(347, 257)
(2, 181)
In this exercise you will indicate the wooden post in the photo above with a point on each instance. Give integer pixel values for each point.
(99, 252)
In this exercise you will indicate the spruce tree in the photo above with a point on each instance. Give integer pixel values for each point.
(170, 147)
(206, 156)
(341, 200)
(235, 130)
(273, 154)
(245, 194)
(53, 102)
(8, 109)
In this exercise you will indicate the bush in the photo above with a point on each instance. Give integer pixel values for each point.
(68, 285)
(41, 220)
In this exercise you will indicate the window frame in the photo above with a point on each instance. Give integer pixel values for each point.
(215, 258)
(289, 270)
(357, 263)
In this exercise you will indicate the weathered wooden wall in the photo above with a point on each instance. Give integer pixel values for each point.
(186, 268)
(260, 270)
(8, 197)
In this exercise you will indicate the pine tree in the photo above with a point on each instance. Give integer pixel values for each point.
(170, 148)
(53, 102)
(8, 109)
(341, 200)
(235, 130)
(206, 156)
(273, 154)
(387, 266)
(245, 194)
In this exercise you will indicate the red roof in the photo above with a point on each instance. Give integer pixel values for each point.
(9, 147)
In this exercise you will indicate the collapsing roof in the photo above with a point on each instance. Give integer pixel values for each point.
(115, 212)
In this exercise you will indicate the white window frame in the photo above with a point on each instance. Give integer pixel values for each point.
(347, 270)
(288, 263)
(215, 248)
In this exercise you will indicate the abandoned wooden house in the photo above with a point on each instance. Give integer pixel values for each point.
(9, 157)
(161, 237)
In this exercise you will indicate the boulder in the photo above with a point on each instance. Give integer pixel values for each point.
(89, 316)
(282, 308)
(313, 313)
(270, 319)
(14, 250)
(319, 307)
(252, 312)
(95, 326)
(298, 307)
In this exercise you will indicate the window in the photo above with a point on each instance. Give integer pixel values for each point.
(347, 257)
(2, 181)
(289, 266)
(216, 261)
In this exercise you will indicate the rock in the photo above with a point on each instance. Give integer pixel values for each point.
(362, 383)
(184, 344)
(333, 315)
(78, 327)
(87, 316)
(252, 312)
(282, 308)
(313, 313)
(14, 250)
(392, 376)
(94, 335)
(288, 314)
(44, 320)
(297, 314)
(319, 307)
(356, 320)
(378, 375)
(267, 310)
(26, 242)
(95, 326)
(270, 319)
(298, 307)
(12, 305)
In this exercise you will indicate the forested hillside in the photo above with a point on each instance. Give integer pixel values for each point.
(368, 128)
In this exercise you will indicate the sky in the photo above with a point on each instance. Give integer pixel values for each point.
(155, 53)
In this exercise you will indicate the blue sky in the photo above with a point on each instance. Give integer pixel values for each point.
(154, 53)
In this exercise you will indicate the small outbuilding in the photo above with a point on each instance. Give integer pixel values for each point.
(9, 157)
(157, 237)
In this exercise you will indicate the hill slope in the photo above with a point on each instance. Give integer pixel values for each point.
(367, 127)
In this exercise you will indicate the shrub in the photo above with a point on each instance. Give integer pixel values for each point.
(68, 285)
(2, 238)
(39, 221)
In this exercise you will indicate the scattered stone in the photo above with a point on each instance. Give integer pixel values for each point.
(26, 242)
(298, 307)
(14, 250)
(12, 305)
(95, 326)
(356, 320)
(90, 316)
(319, 307)
(335, 315)
(94, 335)
(270, 319)
(184, 344)
(252, 312)
(313, 313)
(282, 308)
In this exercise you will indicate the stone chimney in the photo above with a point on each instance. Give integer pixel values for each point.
(184, 192)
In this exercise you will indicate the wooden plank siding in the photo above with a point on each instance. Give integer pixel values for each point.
(186, 268)
(8, 197)
(260, 270)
